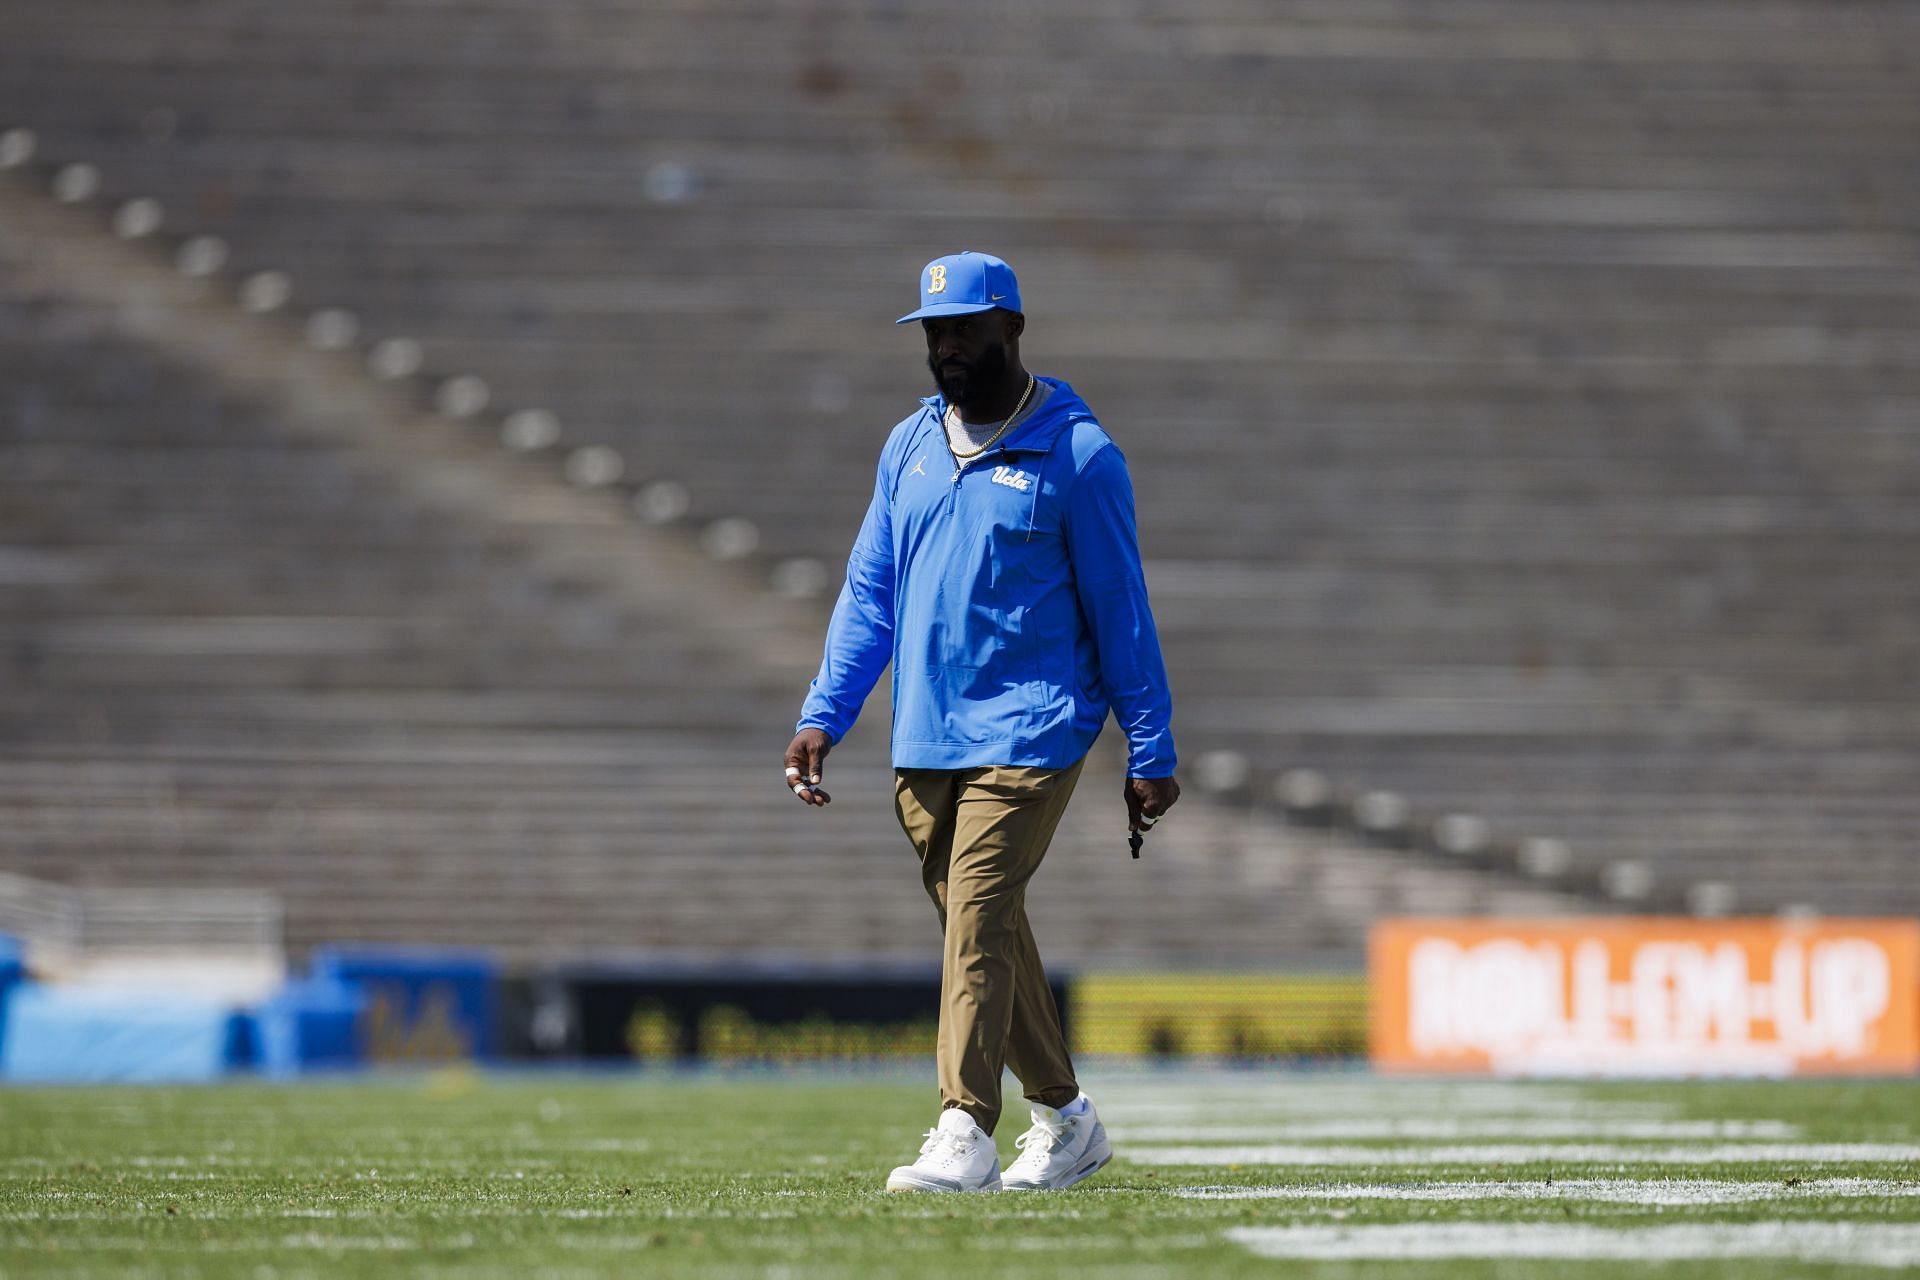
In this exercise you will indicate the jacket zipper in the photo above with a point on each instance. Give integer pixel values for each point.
(953, 488)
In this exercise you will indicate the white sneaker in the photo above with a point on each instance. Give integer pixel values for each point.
(1059, 1150)
(957, 1156)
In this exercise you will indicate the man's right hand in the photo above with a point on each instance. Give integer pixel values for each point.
(806, 764)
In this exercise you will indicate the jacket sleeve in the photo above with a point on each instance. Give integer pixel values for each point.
(860, 634)
(1105, 550)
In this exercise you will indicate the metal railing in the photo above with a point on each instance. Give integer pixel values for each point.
(68, 923)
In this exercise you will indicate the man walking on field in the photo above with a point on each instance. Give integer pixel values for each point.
(999, 571)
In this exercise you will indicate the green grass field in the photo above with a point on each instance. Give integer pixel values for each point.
(1228, 1174)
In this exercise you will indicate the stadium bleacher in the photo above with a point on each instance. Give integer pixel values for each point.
(1519, 430)
(245, 657)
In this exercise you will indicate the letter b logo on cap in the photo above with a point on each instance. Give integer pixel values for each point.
(963, 283)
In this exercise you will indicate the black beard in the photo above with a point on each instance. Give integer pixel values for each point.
(963, 383)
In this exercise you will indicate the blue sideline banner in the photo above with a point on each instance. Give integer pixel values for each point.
(422, 1004)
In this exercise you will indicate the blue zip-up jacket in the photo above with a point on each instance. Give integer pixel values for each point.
(1009, 598)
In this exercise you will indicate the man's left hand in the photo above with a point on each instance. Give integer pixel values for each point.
(1148, 800)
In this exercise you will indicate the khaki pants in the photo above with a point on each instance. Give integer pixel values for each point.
(980, 834)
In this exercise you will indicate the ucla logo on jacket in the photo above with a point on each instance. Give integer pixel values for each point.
(1011, 478)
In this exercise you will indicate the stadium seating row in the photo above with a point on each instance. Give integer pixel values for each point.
(241, 656)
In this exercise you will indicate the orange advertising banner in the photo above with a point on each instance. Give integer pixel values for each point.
(1646, 996)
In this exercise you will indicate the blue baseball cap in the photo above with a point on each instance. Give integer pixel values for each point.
(963, 283)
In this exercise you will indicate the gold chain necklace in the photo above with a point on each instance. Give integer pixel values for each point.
(967, 457)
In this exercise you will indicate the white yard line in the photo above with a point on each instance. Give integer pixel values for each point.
(1675, 1191)
(147, 1245)
(1525, 1153)
(1257, 1111)
(1858, 1243)
(1363, 1127)
(1281, 1098)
